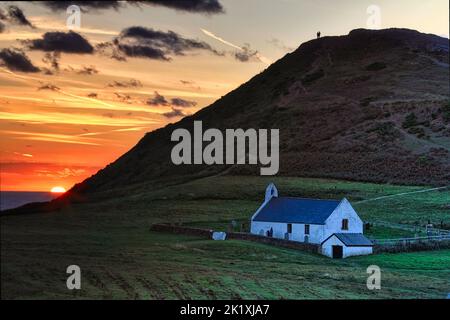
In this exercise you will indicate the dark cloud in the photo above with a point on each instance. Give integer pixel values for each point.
(142, 51)
(178, 102)
(52, 58)
(153, 44)
(170, 41)
(123, 97)
(157, 100)
(201, 6)
(246, 54)
(193, 6)
(13, 15)
(174, 113)
(87, 70)
(49, 86)
(93, 95)
(16, 60)
(47, 71)
(16, 15)
(70, 42)
(160, 100)
(110, 49)
(133, 83)
(84, 5)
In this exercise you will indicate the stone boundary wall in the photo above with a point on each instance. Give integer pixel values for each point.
(309, 247)
(177, 229)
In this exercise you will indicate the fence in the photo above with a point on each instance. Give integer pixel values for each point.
(406, 241)
(411, 244)
(428, 230)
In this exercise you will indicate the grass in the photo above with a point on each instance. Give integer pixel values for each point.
(121, 259)
(234, 197)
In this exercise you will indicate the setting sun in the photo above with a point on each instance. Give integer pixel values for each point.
(58, 190)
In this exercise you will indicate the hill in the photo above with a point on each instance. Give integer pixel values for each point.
(372, 105)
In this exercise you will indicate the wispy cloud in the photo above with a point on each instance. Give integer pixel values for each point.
(212, 35)
(43, 23)
(277, 43)
(26, 155)
(242, 50)
(80, 101)
(53, 137)
(76, 119)
(87, 134)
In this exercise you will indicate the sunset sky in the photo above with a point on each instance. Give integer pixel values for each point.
(68, 110)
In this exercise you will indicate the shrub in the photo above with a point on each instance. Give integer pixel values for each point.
(418, 131)
(366, 101)
(446, 112)
(376, 66)
(410, 121)
(313, 76)
(424, 160)
(385, 129)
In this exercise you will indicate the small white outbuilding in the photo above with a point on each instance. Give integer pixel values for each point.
(343, 245)
(333, 224)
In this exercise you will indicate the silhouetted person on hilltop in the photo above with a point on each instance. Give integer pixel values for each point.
(318, 35)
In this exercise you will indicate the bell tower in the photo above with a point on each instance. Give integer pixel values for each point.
(271, 191)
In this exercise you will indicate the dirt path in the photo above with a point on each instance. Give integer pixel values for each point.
(401, 194)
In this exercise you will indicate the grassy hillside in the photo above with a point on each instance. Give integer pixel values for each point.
(120, 258)
(372, 105)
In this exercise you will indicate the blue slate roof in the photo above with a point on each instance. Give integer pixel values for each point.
(352, 239)
(296, 210)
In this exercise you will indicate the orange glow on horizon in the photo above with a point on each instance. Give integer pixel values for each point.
(58, 189)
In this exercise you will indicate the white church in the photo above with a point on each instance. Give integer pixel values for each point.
(333, 224)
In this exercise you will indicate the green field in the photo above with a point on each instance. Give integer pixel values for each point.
(121, 259)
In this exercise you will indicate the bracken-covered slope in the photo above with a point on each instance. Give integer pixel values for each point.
(368, 106)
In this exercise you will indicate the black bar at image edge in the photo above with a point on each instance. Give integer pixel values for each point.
(221, 309)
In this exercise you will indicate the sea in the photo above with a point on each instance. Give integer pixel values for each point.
(14, 199)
